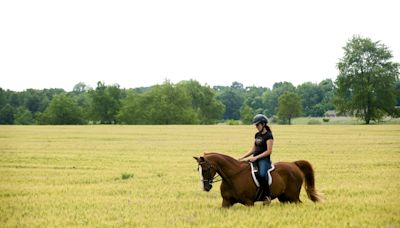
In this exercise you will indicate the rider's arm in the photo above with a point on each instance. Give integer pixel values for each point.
(248, 153)
(264, 154)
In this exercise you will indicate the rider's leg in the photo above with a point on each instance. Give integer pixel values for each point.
(265, 164)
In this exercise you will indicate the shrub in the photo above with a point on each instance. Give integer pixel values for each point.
(126, 176)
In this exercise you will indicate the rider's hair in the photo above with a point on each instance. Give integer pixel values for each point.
(267, 127)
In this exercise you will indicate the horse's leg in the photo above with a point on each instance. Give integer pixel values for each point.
(293, 193)
(226, 203)
(282, 198)
(295, 200)
(249, 203)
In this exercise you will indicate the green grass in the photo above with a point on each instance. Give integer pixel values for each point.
(145, 176)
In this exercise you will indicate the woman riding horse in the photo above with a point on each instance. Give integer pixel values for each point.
(261, 152)
(238, 186)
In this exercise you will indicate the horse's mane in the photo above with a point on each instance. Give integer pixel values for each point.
(224, 157)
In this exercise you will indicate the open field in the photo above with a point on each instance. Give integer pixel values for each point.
(145, 176)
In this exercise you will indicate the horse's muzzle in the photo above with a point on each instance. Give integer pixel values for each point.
(207, 187)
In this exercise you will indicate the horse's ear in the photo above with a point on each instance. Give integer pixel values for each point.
(199, 159)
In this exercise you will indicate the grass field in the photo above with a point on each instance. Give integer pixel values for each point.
(145, 176)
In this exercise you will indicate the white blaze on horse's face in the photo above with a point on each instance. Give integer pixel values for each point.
(201, 177)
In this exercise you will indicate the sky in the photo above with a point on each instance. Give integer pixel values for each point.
(56, 44)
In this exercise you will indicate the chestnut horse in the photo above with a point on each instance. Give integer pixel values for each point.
(238, 186)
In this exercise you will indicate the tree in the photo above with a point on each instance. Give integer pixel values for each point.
(133, 109)
(23, 116)
(204, 102)
(271, 98)
(246, 114)
(289, 106)
(62, 110)
(171, 105)
(366, 80)
(398, 93)
(254, 98)
(311, 96)
(81, 88)
(233, 101)
(106, 102)
(7, 114)
(163, 104)
(328, 88)
(3, 98)
(237, 85)
(33, 101)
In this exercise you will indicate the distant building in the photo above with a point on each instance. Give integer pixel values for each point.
(330, 113)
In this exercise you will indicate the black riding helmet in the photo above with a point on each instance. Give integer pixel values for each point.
(260, 118)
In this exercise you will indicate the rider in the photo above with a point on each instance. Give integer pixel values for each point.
(261, 151)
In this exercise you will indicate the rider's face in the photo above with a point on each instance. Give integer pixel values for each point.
(259, 127)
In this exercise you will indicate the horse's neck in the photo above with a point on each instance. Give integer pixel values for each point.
(226, 165)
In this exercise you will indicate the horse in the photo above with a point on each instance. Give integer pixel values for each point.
(238, 186)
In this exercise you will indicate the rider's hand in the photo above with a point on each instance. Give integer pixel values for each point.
(252, 159)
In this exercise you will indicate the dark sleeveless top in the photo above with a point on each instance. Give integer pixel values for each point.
(260, 142)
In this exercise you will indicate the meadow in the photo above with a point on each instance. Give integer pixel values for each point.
(145, 176)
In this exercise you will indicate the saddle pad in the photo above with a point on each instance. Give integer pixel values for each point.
(253, 175)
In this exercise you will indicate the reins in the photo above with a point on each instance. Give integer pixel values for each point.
(218, 175)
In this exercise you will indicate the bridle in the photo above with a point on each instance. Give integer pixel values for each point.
(208, 170)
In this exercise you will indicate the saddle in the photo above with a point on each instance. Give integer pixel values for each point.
(255, 175)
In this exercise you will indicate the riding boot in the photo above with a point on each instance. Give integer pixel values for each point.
(265, 187)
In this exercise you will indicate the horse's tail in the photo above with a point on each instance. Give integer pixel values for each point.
(308, 172)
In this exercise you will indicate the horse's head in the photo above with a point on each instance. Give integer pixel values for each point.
(206, 171)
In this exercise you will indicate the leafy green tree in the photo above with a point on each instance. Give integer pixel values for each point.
(398, 93)
(7, 114)
(237, 86)
(23, 116)
(246, 114)
(366, 80)
(163, 104)
(204, 102)
(133, 109)
(271, 98)
(232, 101)
(105, 102)
(328, 88)
(311, 96)
(254, 97)
(15, 99)
(3, 98)
(171, 105)
(62, 110)
(81, 88)
(289, 106)
(33, 101)
(80, 93)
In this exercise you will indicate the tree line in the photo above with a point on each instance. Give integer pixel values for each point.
(367, 86)
(187, 102)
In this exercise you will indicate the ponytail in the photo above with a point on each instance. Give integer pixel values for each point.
(268, 128)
